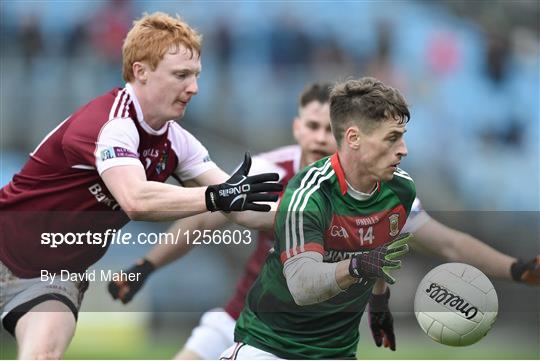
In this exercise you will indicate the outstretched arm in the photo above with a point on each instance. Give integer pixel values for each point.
(153, 201)
(452, 245)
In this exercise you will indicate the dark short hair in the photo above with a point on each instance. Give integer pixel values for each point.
(366, 102)
(315, 92)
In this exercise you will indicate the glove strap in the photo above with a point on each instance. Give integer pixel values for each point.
(210, 198)
(517, 269)
(354, 267)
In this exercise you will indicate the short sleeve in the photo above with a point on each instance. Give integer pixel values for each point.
(115, 144)
(193, 158)
(300, 223)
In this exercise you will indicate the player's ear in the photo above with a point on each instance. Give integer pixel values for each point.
(140, 71)
(352, 137)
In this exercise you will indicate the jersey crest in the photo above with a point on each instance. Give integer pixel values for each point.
(394, 224)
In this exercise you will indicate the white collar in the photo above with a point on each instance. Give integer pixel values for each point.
(356, 194)
(147, 128)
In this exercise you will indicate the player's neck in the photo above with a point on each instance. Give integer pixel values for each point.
(155, 122)
(356, 175)
(362, 184)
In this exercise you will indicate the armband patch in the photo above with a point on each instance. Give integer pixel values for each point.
(116, 152)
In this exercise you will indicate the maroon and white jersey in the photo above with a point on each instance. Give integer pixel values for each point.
(286, 162)
(59, 189)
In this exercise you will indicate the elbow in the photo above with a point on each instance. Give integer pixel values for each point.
(303, 295)
(134, 216)
(134, 209)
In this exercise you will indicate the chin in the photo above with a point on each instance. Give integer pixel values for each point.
(178, 115)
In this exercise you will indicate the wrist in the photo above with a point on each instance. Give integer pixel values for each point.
(379, 303)
(516, 270)
(210, 199)
(145, 267)
(354, 267)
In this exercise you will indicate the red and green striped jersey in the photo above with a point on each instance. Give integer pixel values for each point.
(317, 213)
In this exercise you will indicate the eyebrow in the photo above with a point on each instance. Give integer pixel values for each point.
(396, 132)
(187, 70)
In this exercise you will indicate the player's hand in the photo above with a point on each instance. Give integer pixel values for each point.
(381, 321)
(125, 290)
(241, 192)
(381, 260)
(526, 272)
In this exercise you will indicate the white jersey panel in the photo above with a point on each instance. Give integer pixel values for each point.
(193, 158)
(417, 218)
(260, 165)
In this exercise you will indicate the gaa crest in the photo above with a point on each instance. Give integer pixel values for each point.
(394, 224)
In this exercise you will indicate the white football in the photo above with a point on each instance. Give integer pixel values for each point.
(456, 304)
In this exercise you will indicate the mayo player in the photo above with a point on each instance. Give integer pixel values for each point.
(311, 129)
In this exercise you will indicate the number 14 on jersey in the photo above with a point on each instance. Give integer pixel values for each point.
(366, 235)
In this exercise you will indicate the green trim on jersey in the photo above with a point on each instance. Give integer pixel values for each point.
(314, 215)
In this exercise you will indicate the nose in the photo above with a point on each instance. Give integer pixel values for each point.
(402, 149)
(193, 87)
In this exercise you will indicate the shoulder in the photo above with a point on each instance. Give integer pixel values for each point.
(99, 112)
(403, 186)
(182, 140)
(313, 183)
(176, 130)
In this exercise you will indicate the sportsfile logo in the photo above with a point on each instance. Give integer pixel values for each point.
(244, 188)
(444, 297)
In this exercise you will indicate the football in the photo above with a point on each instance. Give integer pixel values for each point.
(456, 304)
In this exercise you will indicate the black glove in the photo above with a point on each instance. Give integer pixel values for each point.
(125, 290)
(241, 192)
(526, 272)
(379, 261)
(381, 321)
